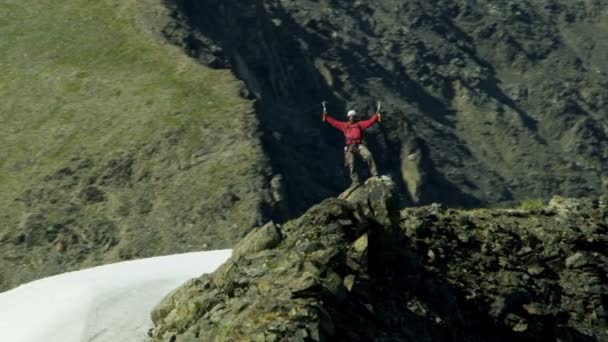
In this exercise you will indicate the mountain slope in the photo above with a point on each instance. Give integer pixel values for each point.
(486, 102)
(113, 144)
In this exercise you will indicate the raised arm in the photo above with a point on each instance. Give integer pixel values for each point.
(365, 124)
(337, 124)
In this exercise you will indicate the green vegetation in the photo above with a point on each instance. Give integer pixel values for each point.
(103, 124)
(532, 204)
(81, 77)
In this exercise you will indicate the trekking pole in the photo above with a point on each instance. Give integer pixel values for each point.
(378, 111)
(324, 111)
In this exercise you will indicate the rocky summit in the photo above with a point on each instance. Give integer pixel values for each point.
(361, 269)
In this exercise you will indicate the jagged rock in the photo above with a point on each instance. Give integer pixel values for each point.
(413, 170)
(281, 285)
(377, 198)
(181, 306)
(259, 239)
(533, 268)
(283, 299)
(342, 273)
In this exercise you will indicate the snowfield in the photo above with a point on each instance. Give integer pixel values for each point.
(106, 303)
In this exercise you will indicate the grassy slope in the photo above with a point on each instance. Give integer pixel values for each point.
(81, 81)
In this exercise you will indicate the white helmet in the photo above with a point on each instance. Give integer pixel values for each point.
(351, 113)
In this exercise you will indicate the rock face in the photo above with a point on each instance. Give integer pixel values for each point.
(518, 268)
(345, 271)
(292, 291)
(486, 102)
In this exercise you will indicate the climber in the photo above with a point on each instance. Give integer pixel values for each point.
(353, 132)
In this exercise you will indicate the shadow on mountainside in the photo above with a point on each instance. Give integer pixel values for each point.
(278, 72)
(277, 58)
(410, 301)
(415, 57)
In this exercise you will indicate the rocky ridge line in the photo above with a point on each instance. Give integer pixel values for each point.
(361, 270)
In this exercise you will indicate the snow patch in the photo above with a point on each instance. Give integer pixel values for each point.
(105, 303)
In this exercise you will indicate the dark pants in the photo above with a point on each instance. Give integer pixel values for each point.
(349, 160)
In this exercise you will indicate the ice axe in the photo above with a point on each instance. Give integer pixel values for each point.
(378, 111)
(324, 110)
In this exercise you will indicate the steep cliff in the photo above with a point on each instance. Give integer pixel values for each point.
(486, 101)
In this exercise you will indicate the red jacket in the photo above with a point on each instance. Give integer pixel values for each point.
(353, 132)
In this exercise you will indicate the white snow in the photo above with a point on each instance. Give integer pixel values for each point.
(106, 303)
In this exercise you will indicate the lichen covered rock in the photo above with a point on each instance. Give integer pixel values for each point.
(343, 272)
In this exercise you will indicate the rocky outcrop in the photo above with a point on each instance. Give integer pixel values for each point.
(294, 290)
(518, 269)
(361, 270)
